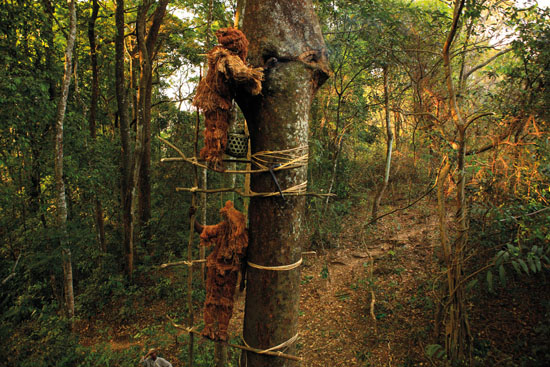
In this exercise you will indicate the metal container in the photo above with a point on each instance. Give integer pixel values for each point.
(237, 145)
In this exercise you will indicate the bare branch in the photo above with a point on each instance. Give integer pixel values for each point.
(487, 62)
(12, 274)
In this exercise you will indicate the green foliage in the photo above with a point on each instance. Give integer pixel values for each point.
(435, 351)
(523, 240)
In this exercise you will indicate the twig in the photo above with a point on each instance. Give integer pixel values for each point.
(527, 215)
(12, 274)
(403, 208)
(183, 262)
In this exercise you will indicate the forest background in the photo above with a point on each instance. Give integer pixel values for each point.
(443, 105)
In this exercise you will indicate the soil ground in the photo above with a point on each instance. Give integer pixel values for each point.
(368, 301)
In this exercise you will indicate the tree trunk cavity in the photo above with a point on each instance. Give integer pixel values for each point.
(278, 119)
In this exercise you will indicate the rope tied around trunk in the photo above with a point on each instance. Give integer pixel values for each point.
(278, 267)
(265, 160)
(275, 348)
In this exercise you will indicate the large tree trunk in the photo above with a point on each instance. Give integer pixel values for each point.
(389, 148)
(61, 202)
(100, 227)
(124, 125)
(278, 119)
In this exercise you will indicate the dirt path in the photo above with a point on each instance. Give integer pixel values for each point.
(341, 324)
(336, 323)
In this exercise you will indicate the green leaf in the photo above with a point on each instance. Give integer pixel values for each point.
(500, 257)
(516, 266)
(502, 275)
(490, 281)
(524, 266)
(431, 349)
(471, 284)
(538, 264)
(531, 264)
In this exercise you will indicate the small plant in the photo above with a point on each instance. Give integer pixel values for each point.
(324, 272)
(307, 279)
(435, 351)
(530, 262)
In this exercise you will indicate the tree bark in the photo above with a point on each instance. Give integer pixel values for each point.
(124, 126)
(278, 119)
(339, 141)
(389, 147)
(61, 202)
(147, 43)
(99, 222)
(458, 338)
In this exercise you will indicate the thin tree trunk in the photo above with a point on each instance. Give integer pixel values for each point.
(458, 337)
(389, 148)
(142, 114)
(124, 125)
(202, 249)
(220, 355)
(100, 227)
(147, 43)
(278, 119)
(442, 211)
(337, 152)
(61, 202)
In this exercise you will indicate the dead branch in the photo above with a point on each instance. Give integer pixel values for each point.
(12, 274)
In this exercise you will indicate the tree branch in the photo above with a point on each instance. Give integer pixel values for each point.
(12, 274)
(487, 62)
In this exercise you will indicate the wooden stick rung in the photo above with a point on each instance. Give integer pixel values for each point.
(183, 262)
(252, 194)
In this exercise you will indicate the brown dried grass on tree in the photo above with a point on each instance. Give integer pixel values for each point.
(230, 241)
(227, 72)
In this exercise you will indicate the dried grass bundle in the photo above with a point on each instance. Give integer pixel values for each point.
(227, 72)
(230, 241)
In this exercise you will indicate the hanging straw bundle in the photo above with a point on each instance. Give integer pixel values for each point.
(230, 241)
(227, 72)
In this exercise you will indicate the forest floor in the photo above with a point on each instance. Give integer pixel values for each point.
(368, 300)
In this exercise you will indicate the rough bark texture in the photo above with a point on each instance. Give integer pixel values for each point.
(61, 202)
(123, 118)
(278, 119)
(458, 338)
(100, 227)
(147, 54)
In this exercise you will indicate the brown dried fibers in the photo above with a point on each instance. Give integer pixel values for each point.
(230, 240)
(227, 72)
